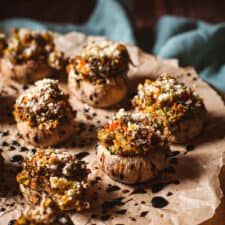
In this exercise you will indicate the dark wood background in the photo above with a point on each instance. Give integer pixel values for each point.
(144, 13)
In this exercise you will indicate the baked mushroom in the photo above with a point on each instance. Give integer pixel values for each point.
(180, 110)
(26, 58)
(59, 175)
(43, 114)
(98, 76)
(131, 148)
(47, 213)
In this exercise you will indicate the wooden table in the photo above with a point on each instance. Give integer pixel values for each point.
(144, 14)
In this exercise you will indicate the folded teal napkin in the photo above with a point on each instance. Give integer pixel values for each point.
(195, 43)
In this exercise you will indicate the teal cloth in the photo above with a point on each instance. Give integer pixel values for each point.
(108, 19)
(195, 43)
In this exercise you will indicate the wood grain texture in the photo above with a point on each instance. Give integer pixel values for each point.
(143, 12)
(69, 11)
(148, 12)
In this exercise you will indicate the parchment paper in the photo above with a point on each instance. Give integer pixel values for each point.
(193, 190)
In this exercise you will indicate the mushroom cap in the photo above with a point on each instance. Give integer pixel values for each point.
(24, 45)
(175, 105)
(30, 55)
(46, 138)
(98, 75)
(44, 111)
(27, 72)
(131, 170)
(131, 148)
(102, 60)
(98, 95)
(58, 174)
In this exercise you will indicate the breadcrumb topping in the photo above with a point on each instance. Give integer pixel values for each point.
(59, 174)
(100, 62)
(47, 213)
(168, 98)
(44, 105)
(57, 60)
(132, 134)
(25, 45)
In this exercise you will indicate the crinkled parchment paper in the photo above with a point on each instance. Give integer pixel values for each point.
(193, 189)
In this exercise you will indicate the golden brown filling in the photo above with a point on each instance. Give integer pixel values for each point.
(47, 213)
(57, 60)
(100, 62)
(168, 99)
(25, 45)
(59, 174)
(44, 106)
(132, 135)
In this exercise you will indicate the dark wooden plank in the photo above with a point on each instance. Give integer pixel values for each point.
(148, 12)
(145, 12)
(70, 11)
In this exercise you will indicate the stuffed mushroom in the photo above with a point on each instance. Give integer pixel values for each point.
(43, 114)
(131, 148)
(59, 175)
(180, 110)
(30, 56)
(47, 213)
(98, 76)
